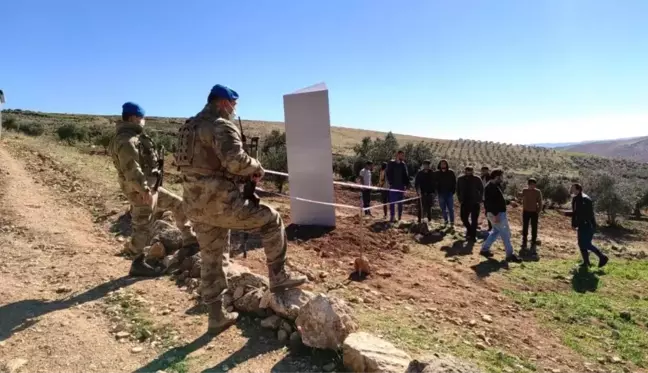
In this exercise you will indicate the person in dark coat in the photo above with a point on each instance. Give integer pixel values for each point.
(470, 192)
(496, 213)
(382, 183)
(425, 187)
(584, 221)
(398, 179)
(485, 178)
(446, 185)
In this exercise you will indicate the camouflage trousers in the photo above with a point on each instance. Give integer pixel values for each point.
(142, 218)
(215, 206)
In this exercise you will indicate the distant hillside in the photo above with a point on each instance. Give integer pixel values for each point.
(521, 160)
(552, 145)
(635, 148)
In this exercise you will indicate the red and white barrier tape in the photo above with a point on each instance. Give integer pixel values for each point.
(337, 204)
(352, 185)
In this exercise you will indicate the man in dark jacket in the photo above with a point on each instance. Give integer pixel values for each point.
(470, 192)
(398, 179)
(496, 213)
(425, 186)
(584, 220)
(485, 178)
(446, 187)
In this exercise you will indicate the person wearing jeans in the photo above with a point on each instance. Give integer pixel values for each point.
(496, 214)
(485, 178)
(446, 183)
(398, 179)
(584, 220)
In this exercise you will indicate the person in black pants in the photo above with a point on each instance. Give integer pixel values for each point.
(424, 183)
(365, 179)
(382, 183)
(470, 192)
(485, 178)
(584, 220)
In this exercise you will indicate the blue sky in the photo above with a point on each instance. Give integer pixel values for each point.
(504, 70)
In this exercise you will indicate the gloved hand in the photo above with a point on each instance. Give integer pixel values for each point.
(258, 174)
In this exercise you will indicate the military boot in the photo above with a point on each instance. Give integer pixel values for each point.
(281, 279)
(219, 319)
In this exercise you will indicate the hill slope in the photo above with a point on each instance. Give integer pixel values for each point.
(519, 159)
(635, 148)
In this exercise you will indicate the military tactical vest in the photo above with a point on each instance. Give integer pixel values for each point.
(146, 149)
(185, 147)
(148, 155)
(195, 154)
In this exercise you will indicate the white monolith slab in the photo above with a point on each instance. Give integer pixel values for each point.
(310, 157)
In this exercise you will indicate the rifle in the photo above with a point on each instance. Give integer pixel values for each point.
(249, 188)
(160, 171)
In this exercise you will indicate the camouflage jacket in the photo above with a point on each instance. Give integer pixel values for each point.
(209, 145)
(135, 158)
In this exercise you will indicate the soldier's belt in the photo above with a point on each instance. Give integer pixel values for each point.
(215, 176)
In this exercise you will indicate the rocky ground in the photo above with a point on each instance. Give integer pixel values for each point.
(67, 304)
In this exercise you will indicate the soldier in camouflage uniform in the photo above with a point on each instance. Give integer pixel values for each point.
(136, 160)
(213, 163)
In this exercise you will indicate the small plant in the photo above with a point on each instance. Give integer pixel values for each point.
(10, 124)
(72, 133)
(103, 139)
(32, 129)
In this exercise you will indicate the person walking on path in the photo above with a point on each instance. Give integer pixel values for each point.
(365, 179)
(425, 186)
(485, 178)
(584, 221)
(496, 213)
(446, 188)
(398, 179)
(382, 183)
(531, 207)
(470, 192)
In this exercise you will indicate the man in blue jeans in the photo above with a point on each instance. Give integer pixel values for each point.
(446, 185)
(584, 220)
(398, 178)
(496, 213)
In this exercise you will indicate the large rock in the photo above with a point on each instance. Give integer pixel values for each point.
(439, 363)
(241, 277)
(167, 234)
(364, 352)
(286, 303)
(325, 322)
(250, 301)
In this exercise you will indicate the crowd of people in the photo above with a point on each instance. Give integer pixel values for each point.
(474, 192)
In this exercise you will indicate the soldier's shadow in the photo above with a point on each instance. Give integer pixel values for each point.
(18, 316)
(122, 225)
(260, 341)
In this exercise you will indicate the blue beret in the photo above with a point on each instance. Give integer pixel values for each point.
(131, 108)
(220, 91)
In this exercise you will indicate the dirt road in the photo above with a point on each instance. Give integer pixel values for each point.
(58, 273)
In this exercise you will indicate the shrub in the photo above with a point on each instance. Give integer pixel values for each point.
(276, 159)
(343, 166)
(560, 194)
(103, 139)
(611, 197)
(32, 128)
(164, 139)
(10, 124)
(72, 132)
